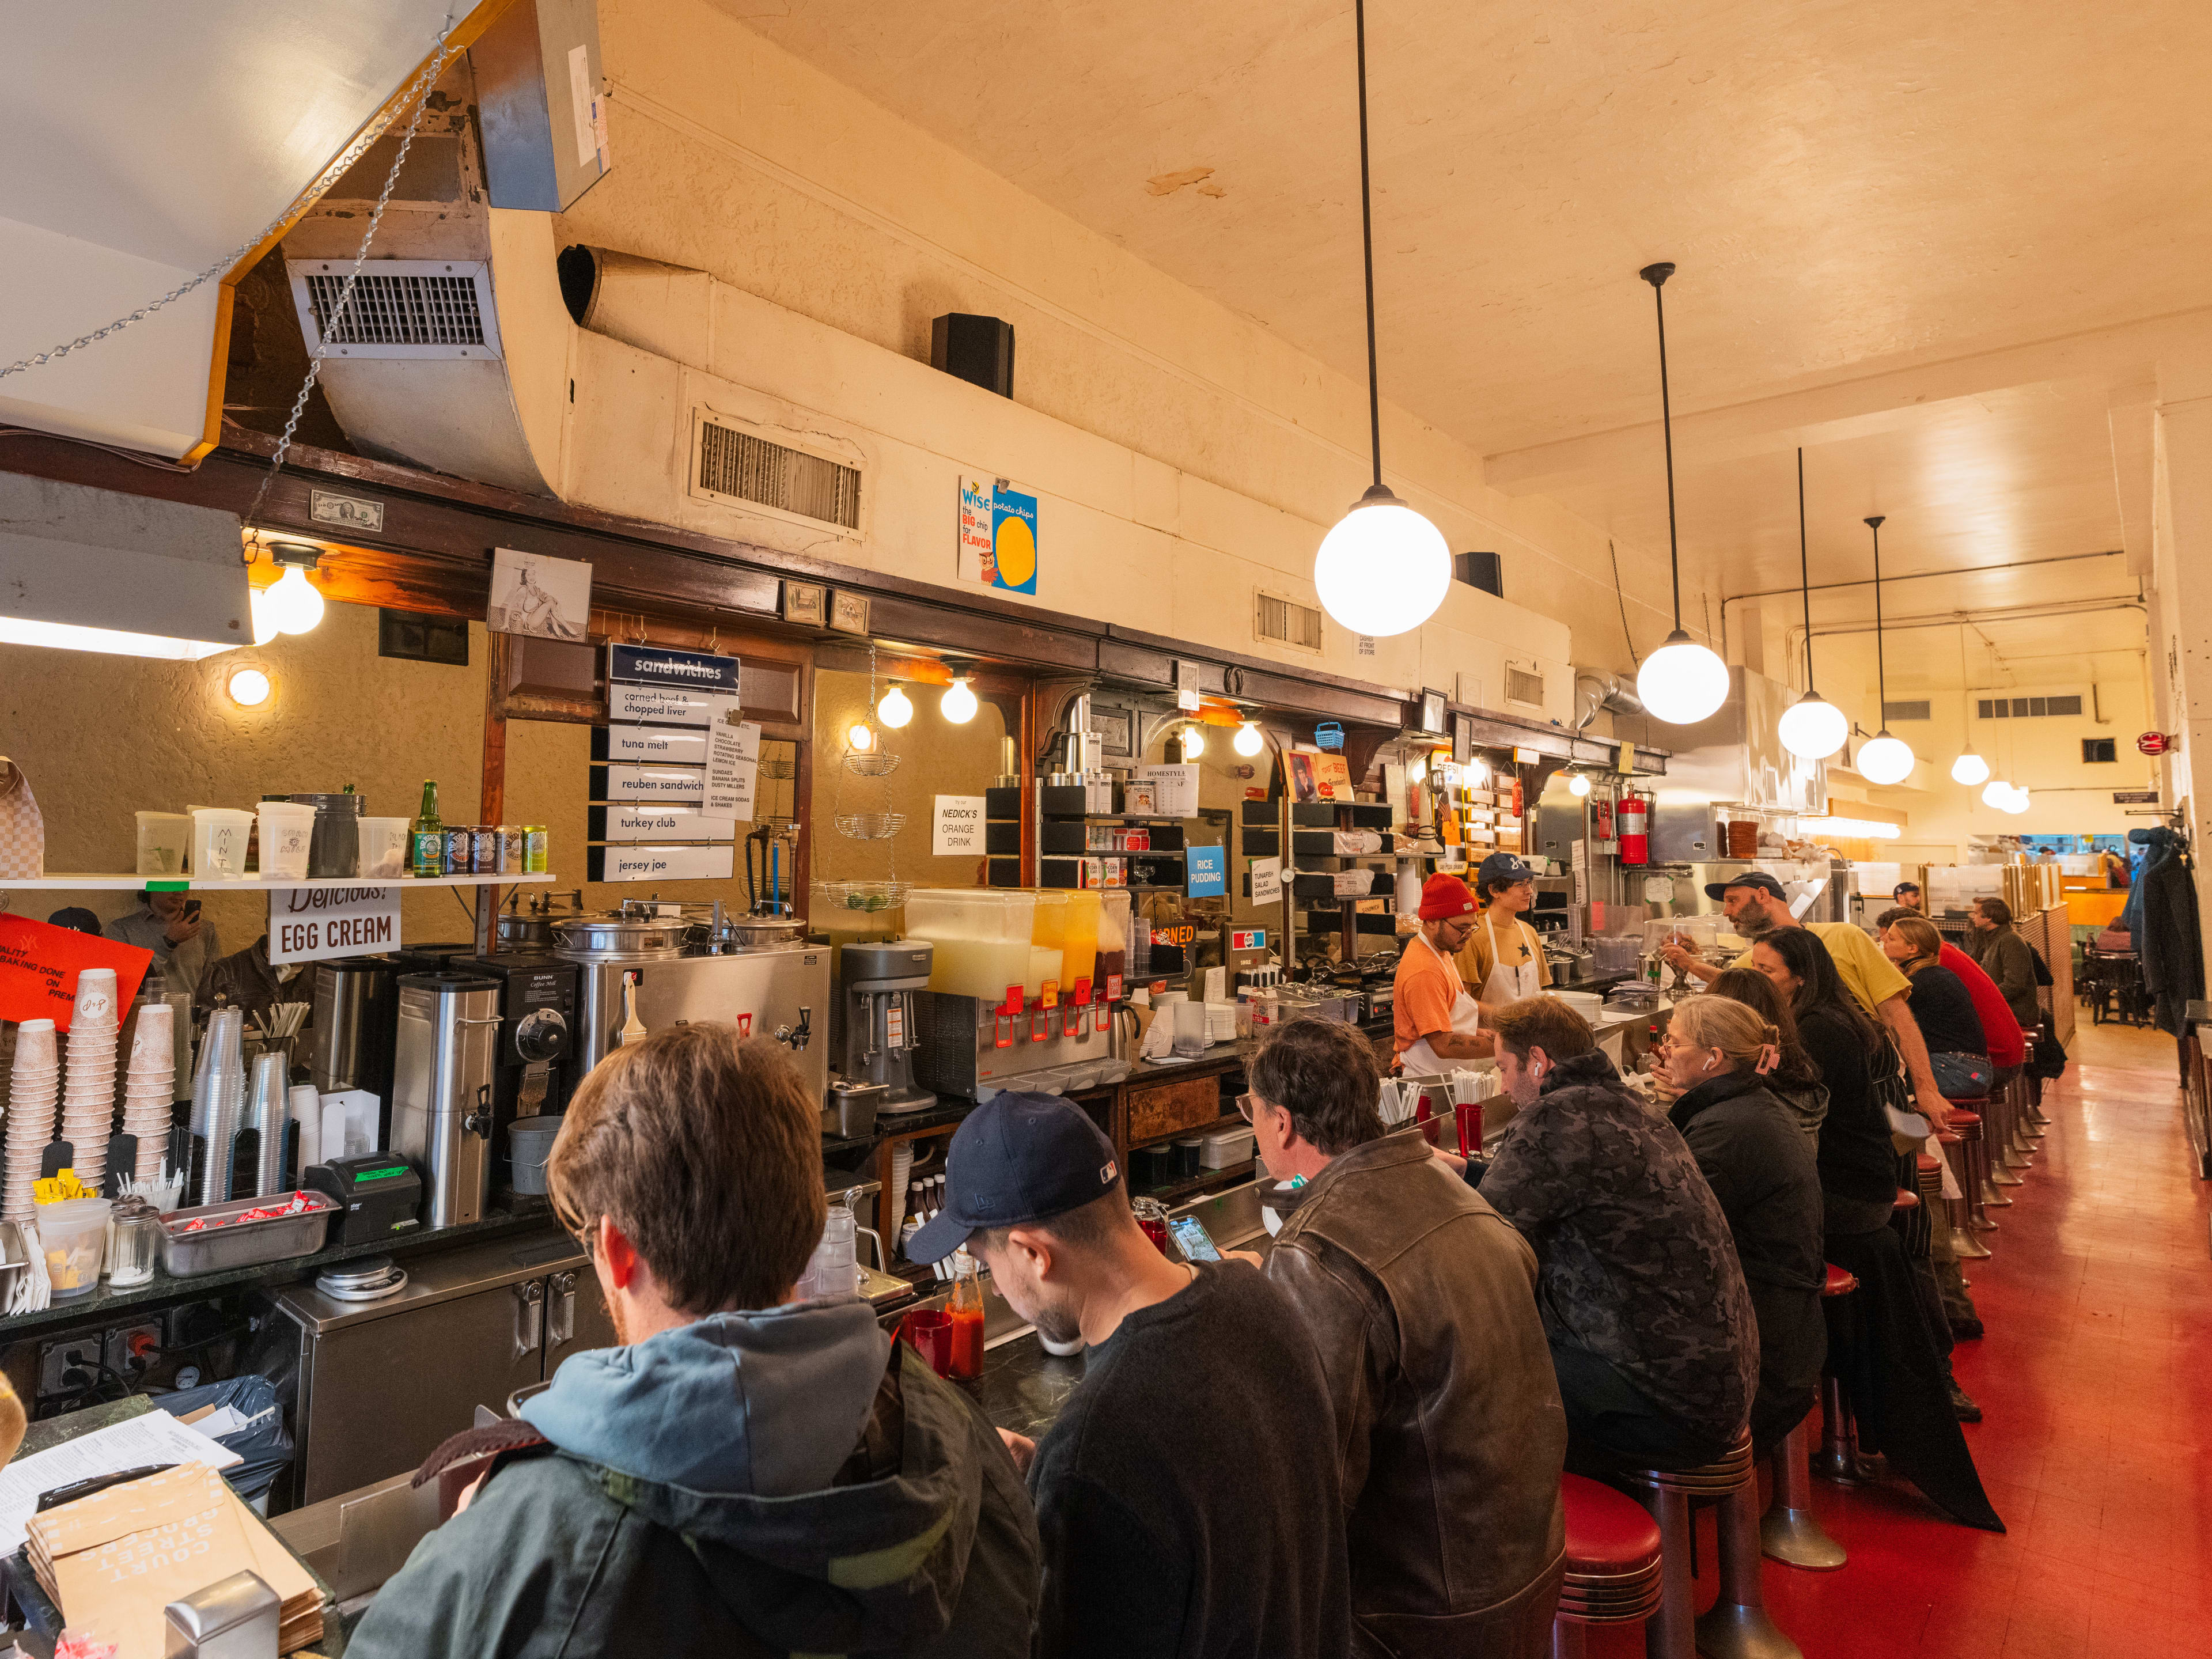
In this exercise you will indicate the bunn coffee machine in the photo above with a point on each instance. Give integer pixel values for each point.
(533, 1069)
(876, 1012)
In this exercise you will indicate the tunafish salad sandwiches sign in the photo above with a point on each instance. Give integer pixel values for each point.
(320, 924)
(999, 542)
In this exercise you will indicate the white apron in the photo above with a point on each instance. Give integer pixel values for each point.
(1421, 1061)
(1507, 984)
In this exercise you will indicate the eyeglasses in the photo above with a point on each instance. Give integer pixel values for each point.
(1244, 1107)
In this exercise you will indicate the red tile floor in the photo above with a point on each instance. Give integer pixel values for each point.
(2096, 1380)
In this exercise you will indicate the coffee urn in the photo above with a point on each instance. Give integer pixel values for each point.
(441, 1090)
(351, 1032)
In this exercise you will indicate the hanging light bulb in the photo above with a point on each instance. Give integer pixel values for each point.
(958, 704)
(895, 709)
(1682, 682)
(1969, 770)
(1998, 792)
(1249, 740)
(1478, 773)
(1383, 568)
(1883, 759)
(2019, 802)
(1578, 786)
(292, 602)
(1416, 768)
(249, 688)
(1812, 728)
(860, 738)
(265, 623)
(1194, 742)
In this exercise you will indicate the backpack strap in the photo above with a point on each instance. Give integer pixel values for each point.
(472, 1456)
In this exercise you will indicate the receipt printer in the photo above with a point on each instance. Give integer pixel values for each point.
(381, 1194)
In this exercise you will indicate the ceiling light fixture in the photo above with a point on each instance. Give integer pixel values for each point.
(1883, 759)
(1249, 738)
(1812, 728)
(1578, 786)
(1970, 769)
(1682, 682)
(69, 636)
(1193, 741)
(1383, 568)
(895, 709)
(250, 687)
(860, 738)
(958, 704)
(292, 602)
(2019, 801)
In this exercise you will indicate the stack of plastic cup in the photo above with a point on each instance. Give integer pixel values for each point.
(34, 1083)
(149, 1085)
(218, 1100)
(268, 1114)
(89, 1077)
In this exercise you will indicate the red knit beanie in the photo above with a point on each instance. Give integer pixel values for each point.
(1445, 896)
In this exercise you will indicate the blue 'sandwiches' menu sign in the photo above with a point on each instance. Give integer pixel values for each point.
(645, 664)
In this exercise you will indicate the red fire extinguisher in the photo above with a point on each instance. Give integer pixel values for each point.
(1634, 821)
(1520, 799)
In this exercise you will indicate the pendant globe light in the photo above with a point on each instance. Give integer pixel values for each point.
(1970, 769)
(1884, 759)
(1812, 728)
(1384, 569)
(1682, 682)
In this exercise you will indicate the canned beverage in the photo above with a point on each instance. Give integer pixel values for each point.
(533, 849)
(460, 842)
(510, 849)
(484, 849)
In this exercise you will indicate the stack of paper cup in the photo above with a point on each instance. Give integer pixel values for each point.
(149, 1085)
(88, 1088)
(33, 1086)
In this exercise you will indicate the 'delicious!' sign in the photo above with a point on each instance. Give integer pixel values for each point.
(319, 924)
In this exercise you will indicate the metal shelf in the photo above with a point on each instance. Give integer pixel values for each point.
(254, 883)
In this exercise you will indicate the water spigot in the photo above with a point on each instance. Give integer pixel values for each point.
(796, 1037)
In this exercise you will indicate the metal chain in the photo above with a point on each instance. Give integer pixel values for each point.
(418, 93)
(328, 176)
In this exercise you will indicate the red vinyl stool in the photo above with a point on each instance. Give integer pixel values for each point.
(1613, 1563)
(1838, 1460)
(1790, 1531)
(1906, 1199)
(1737, 1625)
(1953, 1142)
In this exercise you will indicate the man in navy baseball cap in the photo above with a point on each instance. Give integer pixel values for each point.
(1202, 1419)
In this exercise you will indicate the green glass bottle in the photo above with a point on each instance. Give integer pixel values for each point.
(426, 836)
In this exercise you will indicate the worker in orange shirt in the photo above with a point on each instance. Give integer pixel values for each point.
(1434, 1020)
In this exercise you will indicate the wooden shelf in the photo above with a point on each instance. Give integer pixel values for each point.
(1176, 1191)
(1229, 1121)
(255, 884)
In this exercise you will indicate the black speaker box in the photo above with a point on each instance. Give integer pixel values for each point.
(977, 350)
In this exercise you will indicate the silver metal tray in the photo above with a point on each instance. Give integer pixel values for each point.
(243, 1244)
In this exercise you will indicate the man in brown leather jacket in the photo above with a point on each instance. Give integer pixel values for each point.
(1421, 1301)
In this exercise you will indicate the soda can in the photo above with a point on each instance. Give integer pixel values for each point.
(510, 849)
(534, 849)
(484, 849)
(460, 844)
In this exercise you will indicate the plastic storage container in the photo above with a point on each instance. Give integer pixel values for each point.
(1114, 936)
(73, 1235)
(1048, 944)
(164, 842)
(981, 936)
(287, 840)
(1224, 1148)
(1080, 948)
(383, 847)
(220, 838)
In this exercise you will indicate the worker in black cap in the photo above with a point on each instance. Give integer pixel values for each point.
(1907, 896)
(1503, 958)
(1186, 1493)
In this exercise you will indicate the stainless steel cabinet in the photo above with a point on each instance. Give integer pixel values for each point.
(379, 1385)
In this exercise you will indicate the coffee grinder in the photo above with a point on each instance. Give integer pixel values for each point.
(533, 1066)
(879, 981)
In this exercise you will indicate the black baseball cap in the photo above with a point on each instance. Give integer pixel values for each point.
(1502, 866)
(1758, 879)
(1015, 1159)
(1903, 888)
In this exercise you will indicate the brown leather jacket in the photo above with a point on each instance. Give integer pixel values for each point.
(1422, 1302)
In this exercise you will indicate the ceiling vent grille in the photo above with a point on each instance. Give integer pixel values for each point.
(1281, 621)
(735, 464)
(1905, 711)
(397, 308)
(2028, 708)
(1524, 686)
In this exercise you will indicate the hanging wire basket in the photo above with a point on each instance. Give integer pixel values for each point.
(870, 896)
(871, 763)
(869, 826)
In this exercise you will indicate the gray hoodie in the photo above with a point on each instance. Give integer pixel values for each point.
(759, 1483)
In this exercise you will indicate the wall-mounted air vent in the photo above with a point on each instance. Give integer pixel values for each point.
(1524, 686)
(2027, 708)
(397, 308)
(1893, 712)
(738, 466)
(1281, 621)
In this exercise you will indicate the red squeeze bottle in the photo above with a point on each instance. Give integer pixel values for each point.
(967, 1311)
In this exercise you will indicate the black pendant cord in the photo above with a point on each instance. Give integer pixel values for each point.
(1367, 247)
(1656, 274)
(1804, 571)
(1880, 670)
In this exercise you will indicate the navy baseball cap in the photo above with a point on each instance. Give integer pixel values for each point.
(1502, 866)
(1758, 879)
(1015, 1159)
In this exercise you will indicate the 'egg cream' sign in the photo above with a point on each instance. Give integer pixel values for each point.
(997, 536)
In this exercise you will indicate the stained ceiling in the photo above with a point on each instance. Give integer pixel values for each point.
(1926, 239)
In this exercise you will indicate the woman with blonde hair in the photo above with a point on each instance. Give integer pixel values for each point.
(1943, 1008)
(1759, 1165)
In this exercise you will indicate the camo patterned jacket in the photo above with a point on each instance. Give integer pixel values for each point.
(1635, 1262)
